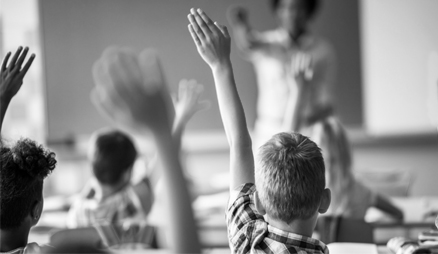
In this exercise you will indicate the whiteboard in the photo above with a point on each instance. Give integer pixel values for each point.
(400, 66)
(75, 33)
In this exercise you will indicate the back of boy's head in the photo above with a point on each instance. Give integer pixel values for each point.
(112, 154)
(290, 177)
(23, 168)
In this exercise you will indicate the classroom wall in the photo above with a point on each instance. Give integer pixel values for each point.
(75, 33)
(400, 59)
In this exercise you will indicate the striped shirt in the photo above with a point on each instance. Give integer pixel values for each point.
(248, 232)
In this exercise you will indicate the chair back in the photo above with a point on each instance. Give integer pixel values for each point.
(339, 229)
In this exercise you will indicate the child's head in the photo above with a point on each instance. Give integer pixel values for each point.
(290, 177)
(112, 154)
(23, 169)
(293, 15)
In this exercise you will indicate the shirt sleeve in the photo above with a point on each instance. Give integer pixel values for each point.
(242, 217)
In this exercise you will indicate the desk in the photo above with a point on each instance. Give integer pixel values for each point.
(209, 211)
(415, 210)
(416, 219)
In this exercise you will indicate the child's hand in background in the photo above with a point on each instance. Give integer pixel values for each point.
(129, 92)
(187, 102)
(11, 75)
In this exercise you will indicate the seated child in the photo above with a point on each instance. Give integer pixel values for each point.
(289, 177)
(24, 166)
(350, 198)
(23, 169)
(110, 197)
(145, 109)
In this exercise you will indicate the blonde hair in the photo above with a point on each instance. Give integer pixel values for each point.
(336, 149)
(290, 177)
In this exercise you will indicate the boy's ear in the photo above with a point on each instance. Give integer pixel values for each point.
(260, 208)
(36, 211)
(325, 201)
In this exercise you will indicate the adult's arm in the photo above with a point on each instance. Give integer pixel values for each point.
(385, 205)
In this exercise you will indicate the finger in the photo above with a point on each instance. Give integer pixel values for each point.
(27, 65)
(11, 76)
(5, 61)
(194, 36)
(201, 23)
(13, 73)
(198, 31)
(207, 21)
(14, 58)
(223, 29)
(22, 57)
(182, 88)
(192, 91)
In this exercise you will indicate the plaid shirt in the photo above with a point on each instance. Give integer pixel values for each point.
(248, 232)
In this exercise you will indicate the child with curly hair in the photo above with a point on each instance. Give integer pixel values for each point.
(23, 167)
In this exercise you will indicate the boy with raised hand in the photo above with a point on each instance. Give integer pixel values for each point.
(289, 176)
(131, 91)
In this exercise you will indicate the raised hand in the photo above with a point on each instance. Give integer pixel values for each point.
(302, 68)
(11, 75)
(211, 39)
(126, 94)
(187, 101)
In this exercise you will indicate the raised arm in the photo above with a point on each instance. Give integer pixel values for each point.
(137, 99)
(11, 78)
(302, 73)
(314, 76)
(187, 104)
(213, 44)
